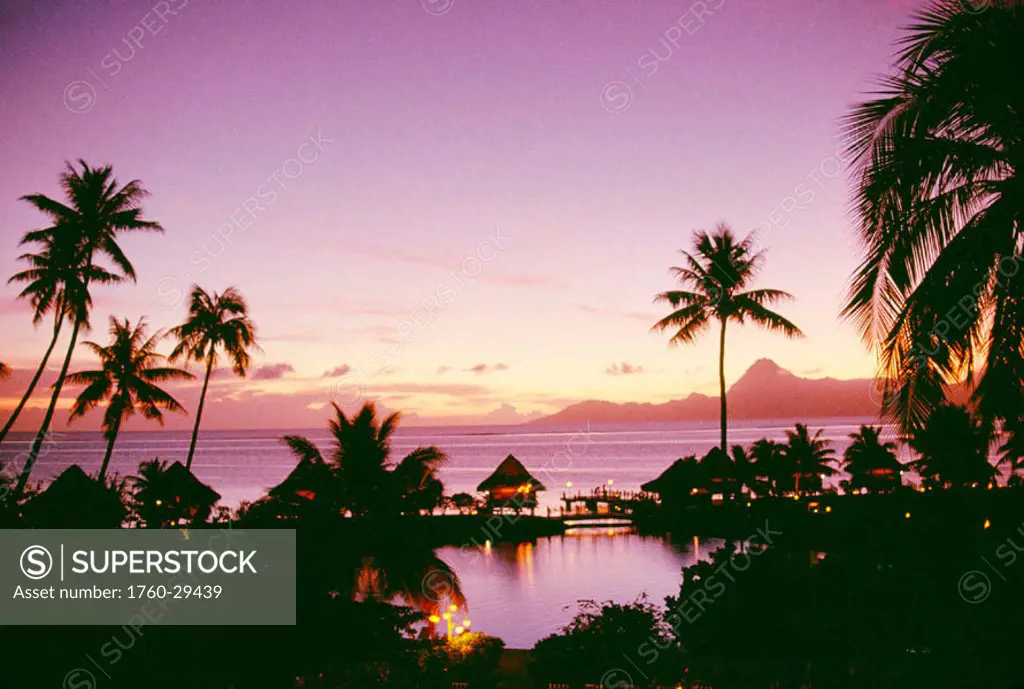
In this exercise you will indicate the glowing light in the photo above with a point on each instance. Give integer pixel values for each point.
(828, 508)
(748, 503)
(907, 515)
(796, 497)
(466, 623)
(987, 523)
(453, 607)
(159, 502)
(459, 630)
(568, 484)
(434, 619)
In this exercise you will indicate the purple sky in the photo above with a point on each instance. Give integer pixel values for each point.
(484, 157)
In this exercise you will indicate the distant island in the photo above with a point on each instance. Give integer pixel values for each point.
(765, 391)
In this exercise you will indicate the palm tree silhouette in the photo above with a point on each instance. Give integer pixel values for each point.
(871, 463)
(771, 464)
(5, 370)
(953, 449)
(96, 211)
(717, 278)
(808, 456)
(215, 322)
(126, 380)
(940, 290)
(747, 471)
(370, 484)
(55, 281)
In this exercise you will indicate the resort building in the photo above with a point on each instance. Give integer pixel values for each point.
(511, 487)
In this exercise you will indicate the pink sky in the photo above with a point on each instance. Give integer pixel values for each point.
(483, 211)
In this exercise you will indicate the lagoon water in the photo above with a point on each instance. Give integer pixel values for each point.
(520, 592)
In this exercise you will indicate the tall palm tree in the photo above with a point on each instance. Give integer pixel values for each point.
(716, 278)
(215, 322)
(97, 209)
(809, 456)
(953, 449)
(940, 289)
(55, 281)
(369, 482)
(127, 381)
(872, 463)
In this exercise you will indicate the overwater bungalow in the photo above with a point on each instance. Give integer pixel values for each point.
(511, 487)
(309, 488)
(75, 500)
(172, 496)
(682, 483)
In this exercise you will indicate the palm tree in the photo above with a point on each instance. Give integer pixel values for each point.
(716, 279)
(808, 456)
(97, 209)
(871, 463)
(217, 322)
(771, 464)
(940, 290)
(1012, 450)
(126, 380)
(5, 370)
(747, 471)
(369, 482)
(54, 281)
(953, 449)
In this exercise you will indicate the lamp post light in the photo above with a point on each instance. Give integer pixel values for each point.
(454, 628)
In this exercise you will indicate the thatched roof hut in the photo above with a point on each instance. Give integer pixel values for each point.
(190, 489)
(682, 476)
(510, 474)
(511, 485)
(75, 500)
(309, 480)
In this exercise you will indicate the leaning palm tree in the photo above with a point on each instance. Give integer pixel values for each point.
(1012, 450)
(940, 290)
(127, 381)
(370, 484)
(215, 322)
(717, 277)
(871, 462)
(55, 280)
(809, 456)
(96, 210)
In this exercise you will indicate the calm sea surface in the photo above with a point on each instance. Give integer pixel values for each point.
(520, 592)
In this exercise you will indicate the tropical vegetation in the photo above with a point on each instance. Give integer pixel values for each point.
(83, 229)
(216, 324)
(940, 290)
(127, 381)
(715, 279)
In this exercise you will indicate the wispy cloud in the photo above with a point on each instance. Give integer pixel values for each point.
(441, 370)
(272, 371)
(612, 313)
(337, 371)
(486, 368)
(623, 369)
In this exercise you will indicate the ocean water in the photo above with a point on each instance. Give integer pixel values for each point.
(242, 464)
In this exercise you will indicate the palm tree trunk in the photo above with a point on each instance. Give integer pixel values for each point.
(59, 318)
(110, 450)
(48, 417)
(199, 412)
(721, 386)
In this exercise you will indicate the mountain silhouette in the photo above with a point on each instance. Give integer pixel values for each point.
(764, 391)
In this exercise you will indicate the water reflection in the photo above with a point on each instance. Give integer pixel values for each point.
(523, 592)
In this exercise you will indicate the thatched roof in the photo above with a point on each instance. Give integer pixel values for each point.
(305, 480)
(75, 499)
(682, 475)
(510, 474)
(184, 484)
